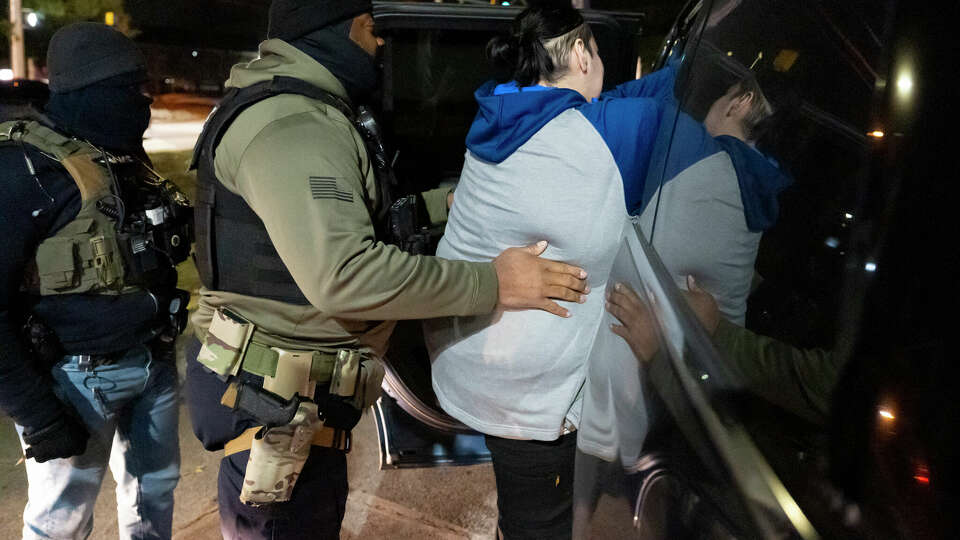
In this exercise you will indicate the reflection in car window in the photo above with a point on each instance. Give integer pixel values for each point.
(797, 56)
(754, 192)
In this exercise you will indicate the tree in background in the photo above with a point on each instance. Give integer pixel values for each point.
(58, 13)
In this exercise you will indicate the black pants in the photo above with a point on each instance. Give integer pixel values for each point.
(319, 498)
(534, 486)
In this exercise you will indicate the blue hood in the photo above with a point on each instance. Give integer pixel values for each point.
(509, 117)
(761, 181)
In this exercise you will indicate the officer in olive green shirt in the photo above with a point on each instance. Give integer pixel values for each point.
(295, 271)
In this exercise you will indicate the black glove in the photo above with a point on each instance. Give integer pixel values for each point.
(65, 437)
(173, 313)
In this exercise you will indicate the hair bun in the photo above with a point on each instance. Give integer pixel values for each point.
(522, 52)
(502, 50)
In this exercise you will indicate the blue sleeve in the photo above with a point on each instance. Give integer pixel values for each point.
(657, 85)
(629, 127)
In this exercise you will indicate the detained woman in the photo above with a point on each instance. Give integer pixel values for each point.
(548, 157)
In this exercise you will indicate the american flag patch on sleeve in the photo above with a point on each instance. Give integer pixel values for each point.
(325, 187)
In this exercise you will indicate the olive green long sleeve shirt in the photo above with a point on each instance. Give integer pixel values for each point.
(799, 380)
(272, 155)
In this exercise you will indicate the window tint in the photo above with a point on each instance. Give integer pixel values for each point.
(817, 87)
(756, 188)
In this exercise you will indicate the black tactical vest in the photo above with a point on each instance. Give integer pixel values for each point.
(233, 251)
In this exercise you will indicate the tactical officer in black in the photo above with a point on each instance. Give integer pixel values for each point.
(89, 240)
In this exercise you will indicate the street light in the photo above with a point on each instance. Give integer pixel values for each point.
(32, 19)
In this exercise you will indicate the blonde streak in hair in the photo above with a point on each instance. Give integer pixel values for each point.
(559, 48)
(760, 110)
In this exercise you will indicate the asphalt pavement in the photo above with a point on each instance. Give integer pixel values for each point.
(440, 503)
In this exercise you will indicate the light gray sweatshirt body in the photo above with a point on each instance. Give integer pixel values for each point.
(519, 374)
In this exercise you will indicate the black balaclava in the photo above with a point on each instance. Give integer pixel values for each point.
(321, 28)
(95, 74)
(332, 47)
(110, 113)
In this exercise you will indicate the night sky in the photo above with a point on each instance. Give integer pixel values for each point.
(222, 24)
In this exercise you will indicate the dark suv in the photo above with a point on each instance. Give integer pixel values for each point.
(834, 418)
(828, 415)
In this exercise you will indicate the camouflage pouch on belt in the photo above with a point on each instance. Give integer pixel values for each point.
(356, 378)
(225, 343)
(277, 457)
(278, 454)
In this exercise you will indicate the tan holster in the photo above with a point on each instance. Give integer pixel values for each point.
(277, 454)
(276, 458)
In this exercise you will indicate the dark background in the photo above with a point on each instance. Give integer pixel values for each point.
(191, 44)
(171, 30)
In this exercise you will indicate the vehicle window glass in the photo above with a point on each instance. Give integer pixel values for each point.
(775, 229)
(753, 190)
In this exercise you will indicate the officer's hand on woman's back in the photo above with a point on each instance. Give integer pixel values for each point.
(65, 437)
(529, 282)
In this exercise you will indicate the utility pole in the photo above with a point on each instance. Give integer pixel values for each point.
(18, 56)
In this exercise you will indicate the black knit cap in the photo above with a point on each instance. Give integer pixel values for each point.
(86, 53)
(290, 19)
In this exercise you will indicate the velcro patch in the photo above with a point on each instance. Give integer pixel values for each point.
(325, 187)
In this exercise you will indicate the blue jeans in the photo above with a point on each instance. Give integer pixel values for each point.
(130, 408)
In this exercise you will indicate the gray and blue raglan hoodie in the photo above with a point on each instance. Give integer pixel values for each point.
(541, 164)
(706, 201)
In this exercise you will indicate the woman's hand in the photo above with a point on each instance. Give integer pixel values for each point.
(637, 327)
